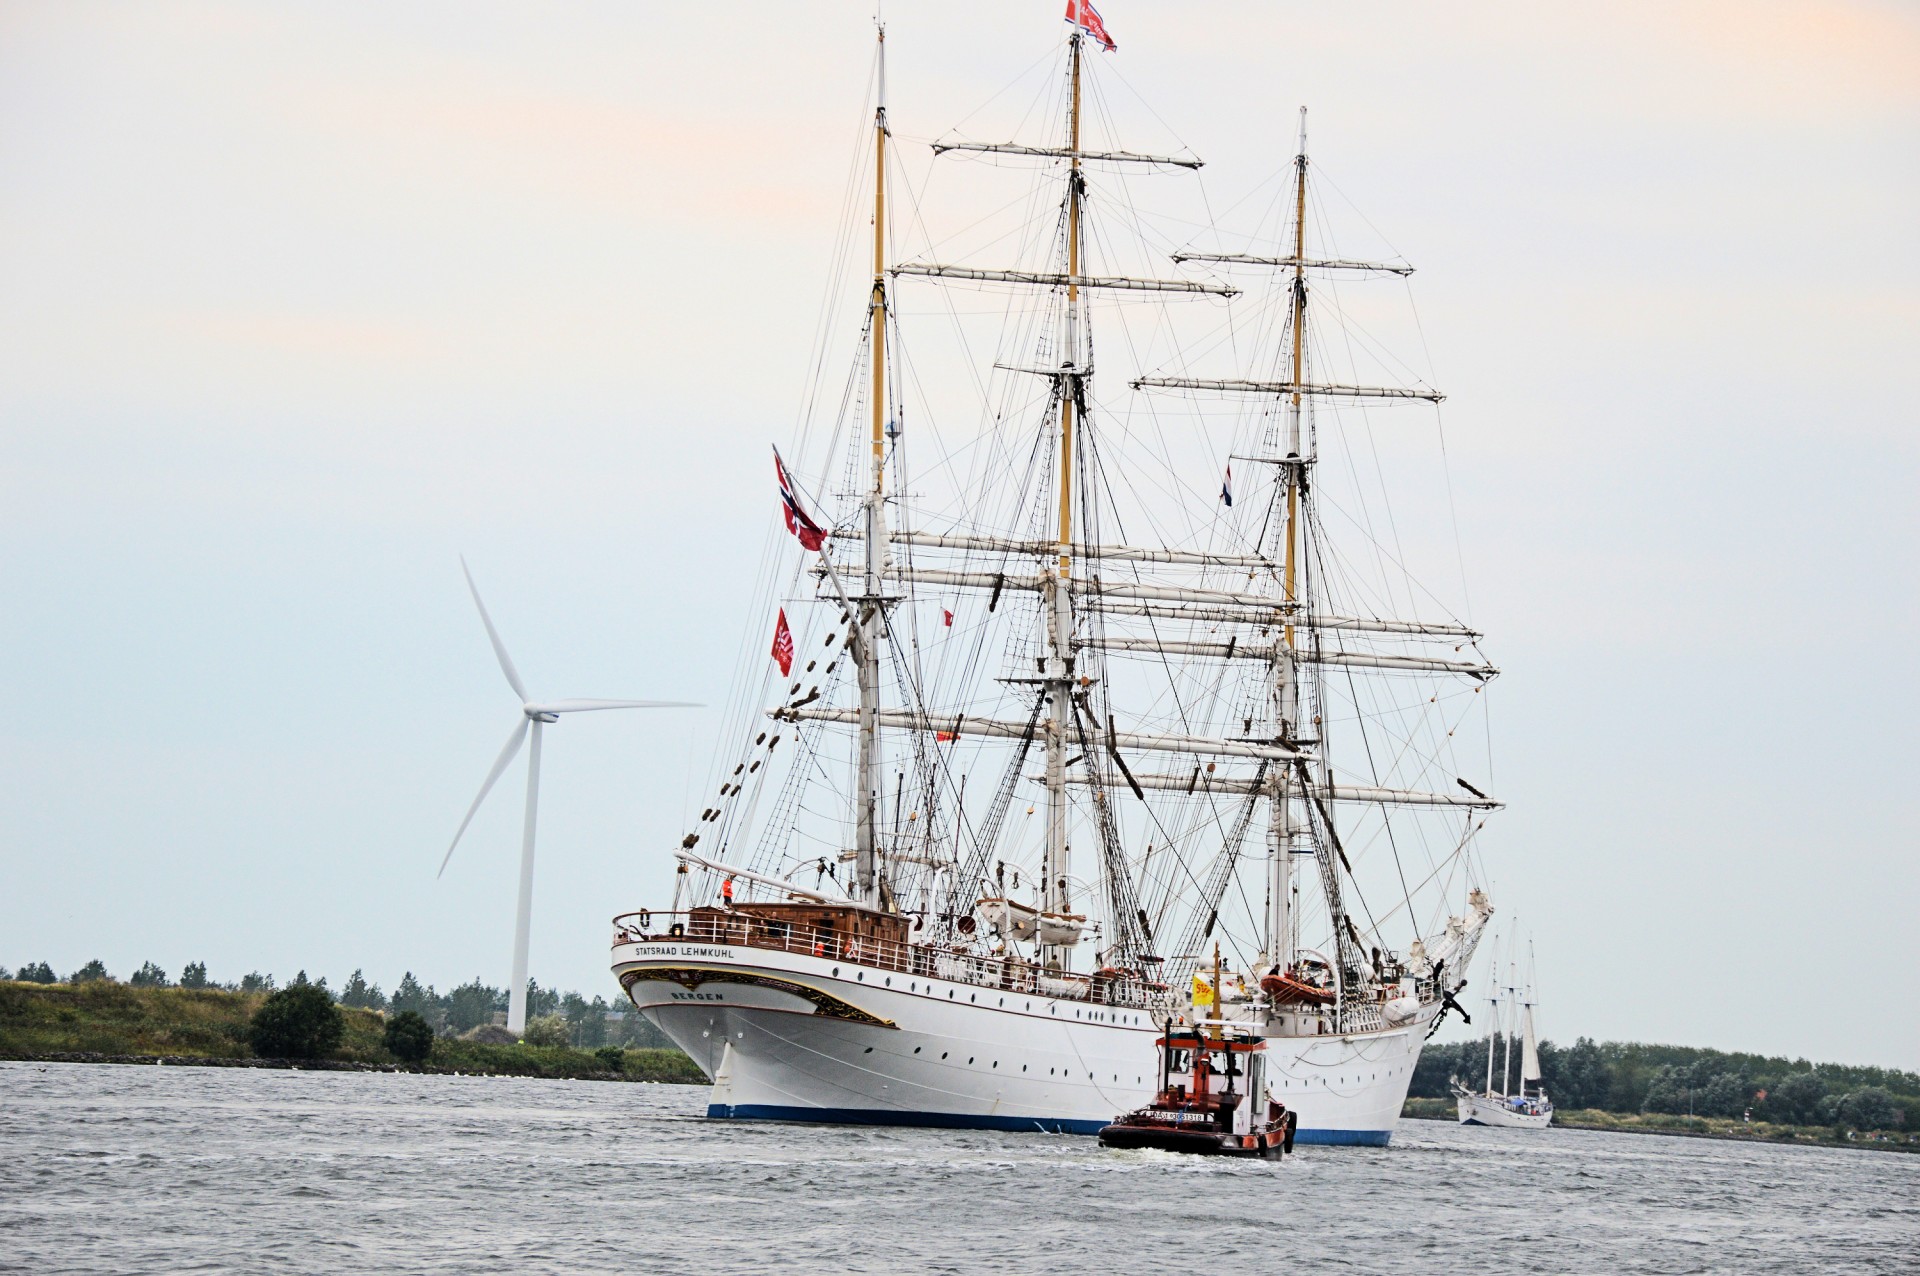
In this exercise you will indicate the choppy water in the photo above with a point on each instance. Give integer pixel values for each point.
(139, 1169)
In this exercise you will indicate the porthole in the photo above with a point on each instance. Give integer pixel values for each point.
(916, 1049)
(836, 972)
(1023, 1067)
(969, 1061)
(996, 1063)
(1003, 1001)
(949, 994)
(943, 1054)
(868, 1050)
(889, 981)
(861, 976)
(973, 996)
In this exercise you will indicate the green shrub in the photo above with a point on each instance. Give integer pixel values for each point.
(612, 1058)
(408, 1038)
(547, 1030)
(298, 1022)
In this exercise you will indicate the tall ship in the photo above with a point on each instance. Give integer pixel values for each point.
(1064, 698)
(1525, 1106)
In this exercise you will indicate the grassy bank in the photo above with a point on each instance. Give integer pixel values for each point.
(114, 1021)
(1694, 1127)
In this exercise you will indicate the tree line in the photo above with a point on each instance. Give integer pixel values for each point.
(470, 1010)
(1628, 1077)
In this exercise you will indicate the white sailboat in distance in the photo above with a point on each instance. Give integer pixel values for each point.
(1526, 1107)
(1060, 710)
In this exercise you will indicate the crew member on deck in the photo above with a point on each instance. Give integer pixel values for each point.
(726, 893)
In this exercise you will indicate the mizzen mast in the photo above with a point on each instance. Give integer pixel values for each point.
(868, 885)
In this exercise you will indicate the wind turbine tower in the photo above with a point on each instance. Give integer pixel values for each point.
(535, 716)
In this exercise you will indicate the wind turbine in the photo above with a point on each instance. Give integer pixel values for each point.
(534, 716)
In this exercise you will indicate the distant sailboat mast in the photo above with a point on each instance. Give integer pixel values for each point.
(1529, 1044)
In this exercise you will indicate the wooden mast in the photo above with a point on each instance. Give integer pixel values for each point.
(865, 857)
(1299, 351)
(1060, 610)
(1281, 828)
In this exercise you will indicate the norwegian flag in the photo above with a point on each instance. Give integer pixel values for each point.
(811, 534)
(783, 645)
(1083, 15)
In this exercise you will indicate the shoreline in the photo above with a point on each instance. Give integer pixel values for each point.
(1798, 1136)
(320, 1065)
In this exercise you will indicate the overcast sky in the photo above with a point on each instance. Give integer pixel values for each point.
(298, 303)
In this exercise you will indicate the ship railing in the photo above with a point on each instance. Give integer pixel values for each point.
(955, 964)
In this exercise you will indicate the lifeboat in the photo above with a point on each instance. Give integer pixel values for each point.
(1010, 917)
(1285, 990)
(1062, 929)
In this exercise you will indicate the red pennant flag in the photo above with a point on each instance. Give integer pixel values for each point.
(948, 615)
(783, 645)
(943, 737)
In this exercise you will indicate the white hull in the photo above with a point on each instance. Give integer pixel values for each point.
(1478, 1109)
(793, 1037)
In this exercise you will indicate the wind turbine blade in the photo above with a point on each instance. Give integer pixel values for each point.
(582, 706)
(500, 764)
(499, 648)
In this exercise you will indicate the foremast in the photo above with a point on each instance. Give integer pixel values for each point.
(1301, 800)
(1282, 828)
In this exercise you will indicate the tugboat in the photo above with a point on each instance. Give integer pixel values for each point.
(1219, 1109)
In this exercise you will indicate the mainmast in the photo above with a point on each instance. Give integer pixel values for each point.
(866, 878)
(1059, 680)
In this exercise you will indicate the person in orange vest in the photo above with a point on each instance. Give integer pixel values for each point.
(726, 893)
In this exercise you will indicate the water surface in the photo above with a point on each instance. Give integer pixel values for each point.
(143, 1169)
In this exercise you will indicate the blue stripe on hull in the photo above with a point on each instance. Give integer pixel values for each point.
(871, 1116)
(959, 1121)
(1344, 1138)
